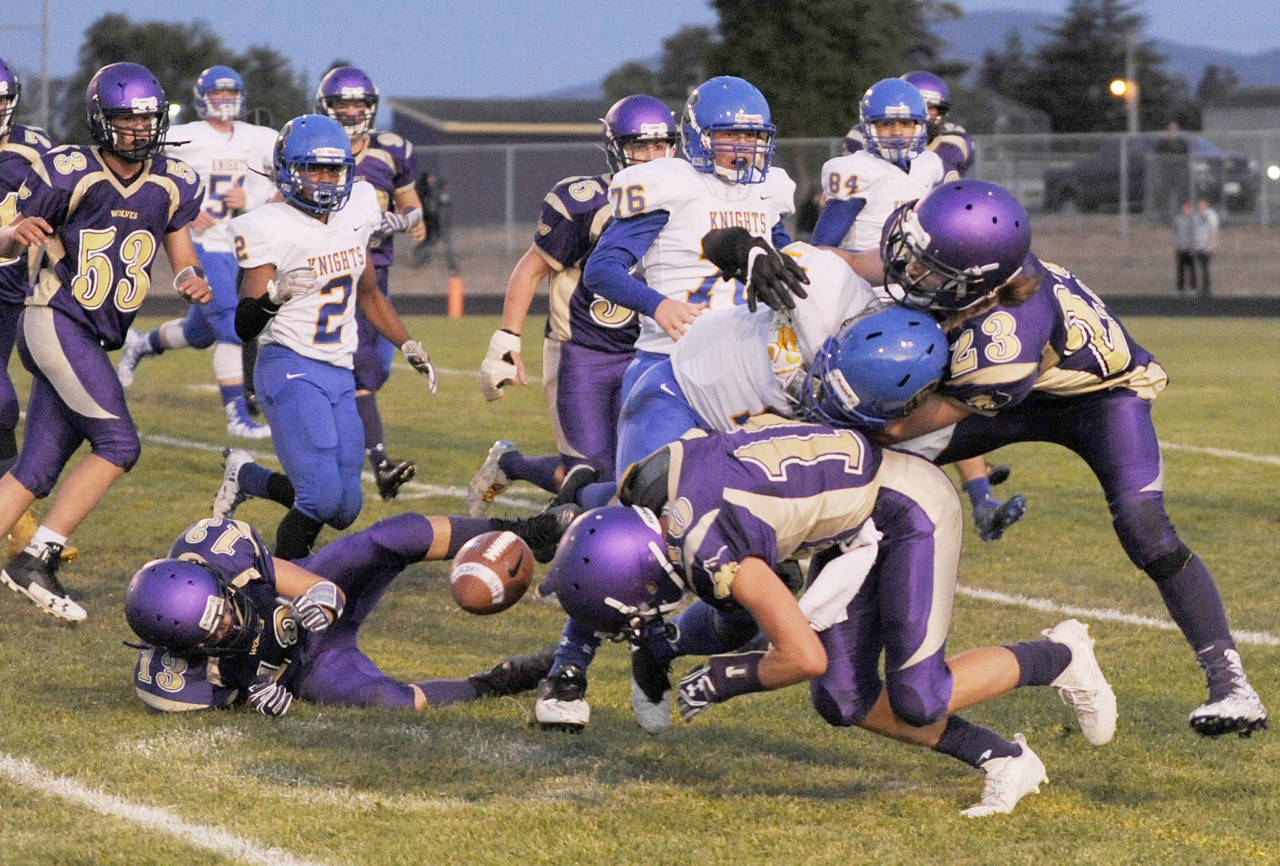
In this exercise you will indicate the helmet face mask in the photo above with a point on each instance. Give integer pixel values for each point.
(880, 365)
(610, 565)
(637, 120)
(10, 96)
(350, 98)
(306, 147)
(219, 94)
(128, 114)
(889, 100)
(187, 606)
(955, 247)
(727, 130)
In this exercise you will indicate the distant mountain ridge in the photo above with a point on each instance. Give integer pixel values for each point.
(969, 38)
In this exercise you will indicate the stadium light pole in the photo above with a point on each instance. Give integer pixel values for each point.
(1127, 89)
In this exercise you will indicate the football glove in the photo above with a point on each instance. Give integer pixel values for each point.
(420, 361)
(498, 370)
(771, 278)
(318, 607)
(393, 222)
(269, 697)
(186, 275)
(293, 283)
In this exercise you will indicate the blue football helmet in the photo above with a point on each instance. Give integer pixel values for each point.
(307, 141)
(880, 365)
(342, 84)
(887, 100)
(126, 90)
(214, 79)
(728, 104)
(636, 118)
(612, 563)
(186, 606)
(10, 94)
(954, 247)
(936, 95)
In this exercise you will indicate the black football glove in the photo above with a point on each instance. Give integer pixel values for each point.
(771, 278)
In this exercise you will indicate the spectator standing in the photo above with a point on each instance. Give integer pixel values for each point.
(1205, 240)
(1184, 247)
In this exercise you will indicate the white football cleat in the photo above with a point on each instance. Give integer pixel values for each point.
(1008, 781)
(230, 496)
(1082, 686)
(489, 480)
(562, 704)
(135, 346)
(1233, 705)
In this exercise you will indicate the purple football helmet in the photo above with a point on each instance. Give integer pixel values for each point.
(213, 80)
(954, 247)
(880, 365)
(636, 118)
(612, 563)
(345, 84)
(117, 93)
(892, 99)
(10, 93)
(728, 104)
(935, 93)
(182, 605)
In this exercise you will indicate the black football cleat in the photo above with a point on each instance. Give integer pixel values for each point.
(999, 475)
(392, 476)
(35, 576)
(575, 479)
(516, 674)
(992, 517)
(562, 701)
(543, 531)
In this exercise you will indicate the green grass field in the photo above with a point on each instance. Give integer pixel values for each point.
(88, 777)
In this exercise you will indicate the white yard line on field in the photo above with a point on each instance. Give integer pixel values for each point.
(155, 820)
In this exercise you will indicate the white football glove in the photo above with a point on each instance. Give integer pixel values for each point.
(318, 607)
(420, 361)
(393, 222)
(293, 283)
(186, 275)
(269, 697)
(497, 370)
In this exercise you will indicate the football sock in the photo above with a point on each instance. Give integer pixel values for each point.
(1039, 661)
(578, 643)
(441, 693)
(463, 529)
(540, 471)
(1195, 605)
(371, 419)
(44, 536)
(974, 744)
(295, 535)
(979, 490)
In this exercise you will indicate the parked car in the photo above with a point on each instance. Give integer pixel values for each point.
(1163, 171)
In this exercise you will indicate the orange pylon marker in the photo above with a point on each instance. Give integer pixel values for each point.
(455, 297)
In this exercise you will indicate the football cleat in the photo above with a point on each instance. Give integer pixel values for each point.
(391, 476)
(516, 674)
(489, 480)
(20, 537)
(1008, 781)
(993, 517)
(543, 531)
(135, 346)
(562, 702)
(575, 479)
(230, 495)
(35, 576)
(650, 690)
(998, 475)
(1233, 705)
(240, 425)
(1082, 686)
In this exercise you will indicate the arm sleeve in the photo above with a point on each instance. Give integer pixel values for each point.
(780, 237)
(836, 219)
(608, 269)
(252, 315)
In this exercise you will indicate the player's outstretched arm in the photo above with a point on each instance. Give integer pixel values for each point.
(502, 362)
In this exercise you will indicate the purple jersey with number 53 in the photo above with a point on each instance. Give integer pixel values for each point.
(96, 267)
(574, 213)
(1062, 342)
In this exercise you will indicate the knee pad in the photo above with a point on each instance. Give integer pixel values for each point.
(840, 713)
(117, 444)
(1145, 531)
(1169, 565)
(917, 698)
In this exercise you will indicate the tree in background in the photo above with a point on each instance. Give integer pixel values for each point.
(631, 77)
(1005, 71)
(1086, 50)
(176, 53)
(813, 59)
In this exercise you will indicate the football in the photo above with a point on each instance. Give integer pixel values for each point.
(491, 572)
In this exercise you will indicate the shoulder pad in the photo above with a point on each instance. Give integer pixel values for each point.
(388, 139)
